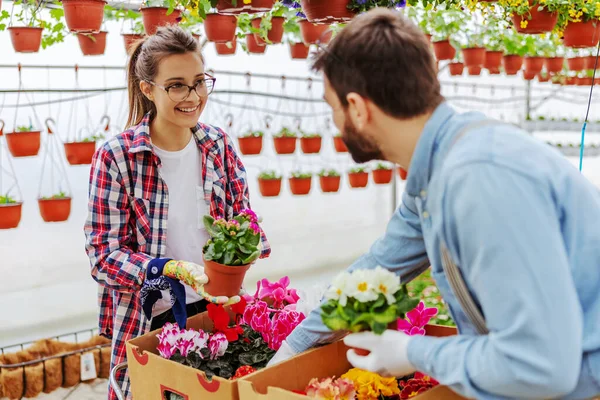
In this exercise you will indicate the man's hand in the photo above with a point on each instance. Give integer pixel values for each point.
(285, 352)
(388, 357)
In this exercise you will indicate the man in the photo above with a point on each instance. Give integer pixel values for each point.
(516, 219)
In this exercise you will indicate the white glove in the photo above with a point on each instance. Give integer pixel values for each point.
(389, 353)
(284, 352)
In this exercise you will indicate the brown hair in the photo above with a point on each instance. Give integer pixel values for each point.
(146, 55)
(383, 56)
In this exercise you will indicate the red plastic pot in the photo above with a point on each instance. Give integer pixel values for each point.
(554, 64)
(456, 68)
(224, 50)
(327, 11)
(403, 173)
(587, 81)
(535, 21)
(253, 6)
(220, 28)
(251, 145)
(299, 51)
(311, 145)
(494, 71)
(590, 62)
(576, 63)
(285, 145)
(358, 179)
(443, 50)
(10, 215)
(275, 34)
(255, 44)
(474, 70)
(269, 187)
(543, 78)
(80, 153)
(339, 145)
(330, 184)
(382, 176)
(312, 33)
(529, 75)
(23, 144)
(25, 39)
(55, 210)
(474, 56)
(582, 34)
(84, 16)
(92, 44)
(129, 39)
(493, 60)
(512, 64)
(300, 186)
(534, 64)
(154, 17)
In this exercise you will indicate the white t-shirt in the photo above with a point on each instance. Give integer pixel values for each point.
(182, 172)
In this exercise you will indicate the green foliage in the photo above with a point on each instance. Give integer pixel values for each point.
(231, 243)
(357, 170)
(253, 134)
(383, 166)
(7, 200)
(60, 195)
(424, 287)
(310, 135)
(301, 175)
(329, 172)
(269, 175)
(286, 132)
(93, 138)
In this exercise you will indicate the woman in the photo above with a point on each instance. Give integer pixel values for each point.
(151, 185)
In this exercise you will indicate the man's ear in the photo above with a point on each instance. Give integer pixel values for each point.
(146, 89)
(358, 110)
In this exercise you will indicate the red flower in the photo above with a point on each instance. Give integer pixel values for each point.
(243, 371)
(220, 318)
(301, 392)
(240, 307)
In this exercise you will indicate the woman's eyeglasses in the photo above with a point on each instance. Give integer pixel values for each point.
(179, 92)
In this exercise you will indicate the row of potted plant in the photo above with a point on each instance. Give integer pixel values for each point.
(54, 208)
(269, 182)
(285, 142)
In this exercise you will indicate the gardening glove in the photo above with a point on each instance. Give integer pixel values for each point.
(389, 353)
(285, 352)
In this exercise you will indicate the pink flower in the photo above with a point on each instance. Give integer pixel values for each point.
(277, 293)
(346, 389)
(217, 345)
(328, 389)
(254, 228)
(417, 319)
(282, 324)
(171, 339)
(249, 215)
(256, 316)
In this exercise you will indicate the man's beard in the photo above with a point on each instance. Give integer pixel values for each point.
(361, 148)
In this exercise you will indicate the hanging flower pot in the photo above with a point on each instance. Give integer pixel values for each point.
(443, 50)
(590, 62)
(92, 44)
(585, 81)
(474, 56)
(382, 175)
(534, 64)
(311, 144)
(226, 49)
(10, 214)
(543, 78)
(529, 75)
(23, 143)
(255, 45)
(224, 280)
(84, 16)
(493, 60)
(403, 173)
(244, 6)
(358, 178)
(576, 63)
(285, 145)
(252, 144)
(330, 181)
(129, 40)
(312, 33)
(275, 34)
(25, 39)
(220, 28)
(571, 81)
(582, 34)
(512, 64)
(269, 184)
(300, 186)
(299, 51)
(474, 70)
(327, 11)
(154, 17)
(537, 20)
(554, 64)
(456, 68)
(494, 71)
(339, 144)
(55, 209)
(80, 153)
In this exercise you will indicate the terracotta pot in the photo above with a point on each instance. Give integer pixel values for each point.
(327, 11)
(275, 34)
(543, 78)
(529, 75)
(474, 70)
(55, 210)
(538, 21)
(10, 215)
(403, 173)
(79, 153)
(23, 144)
(534, 64)
(358, 179)
(250, 145)
(587, 81)
(299, 51)
(25, 39)
(582, 34)
(311, 145)
(255, 44)
(285, 145)
(576, 63)
(339, 145)
(92, 44)
(428, 36)
(254, 6)
(220, 28)
(494, 71)
(154, 17)
(330, 184)
(443, 50)
(224, 50)
(129, 39)
(456, 68)
(300, 186)
(570, 81)
(84, 15)
(493, 60)
(474, 56)
(590, 62)
(554, 64)
(312, 33)
(512, 64)
(224, 280)
(382, 176)
(269, 187)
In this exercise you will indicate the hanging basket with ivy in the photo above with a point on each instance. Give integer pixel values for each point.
(269, 183)
(92, 44)
(55, 208)
(226, 49)
(220, 28)
(84, 16)
(10, 212)
(535, 16)
(330, 180)
(329, 11)
(244, 6)
(155, 17)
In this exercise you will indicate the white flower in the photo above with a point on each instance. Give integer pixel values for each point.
(360, 285)
(386, 283)
(339, 289)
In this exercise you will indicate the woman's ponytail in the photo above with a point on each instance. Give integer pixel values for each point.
(139, 104)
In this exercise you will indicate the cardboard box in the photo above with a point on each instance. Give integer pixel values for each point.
(278, 382)
(151, 375)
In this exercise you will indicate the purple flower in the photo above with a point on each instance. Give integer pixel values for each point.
(217, 345)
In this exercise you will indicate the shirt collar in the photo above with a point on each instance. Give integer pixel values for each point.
(421, 163)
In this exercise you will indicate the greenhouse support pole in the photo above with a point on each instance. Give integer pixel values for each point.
(528, 101)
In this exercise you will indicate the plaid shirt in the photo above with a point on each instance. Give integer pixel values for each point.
(126, 225)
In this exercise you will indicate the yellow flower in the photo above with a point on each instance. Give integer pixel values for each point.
(370, 386)
(524, 24)
(247, 1)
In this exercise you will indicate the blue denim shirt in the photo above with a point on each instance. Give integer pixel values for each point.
(524, 226)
